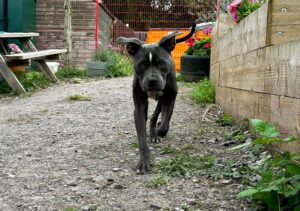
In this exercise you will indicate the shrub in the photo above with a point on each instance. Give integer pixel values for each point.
(31, 81)
(70, 72)
(118, 65)
(204, 92)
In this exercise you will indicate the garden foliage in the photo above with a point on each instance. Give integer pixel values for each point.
(279, 184)
(118, 64)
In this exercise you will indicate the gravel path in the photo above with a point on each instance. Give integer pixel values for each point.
(57, 154)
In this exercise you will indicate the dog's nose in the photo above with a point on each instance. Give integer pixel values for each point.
(152, 83)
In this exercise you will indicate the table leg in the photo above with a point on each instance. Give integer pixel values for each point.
(46, 70)
(41, 63)
(10, 77)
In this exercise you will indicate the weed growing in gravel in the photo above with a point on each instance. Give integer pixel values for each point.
(70, 209)
(168, 149)
(157, 182)
(203, 92)
(31, 81)
(134, 145)
(278, 187)
(70, 72)
(189, 147)
(184, 165)
(225, 120)
(78, 97)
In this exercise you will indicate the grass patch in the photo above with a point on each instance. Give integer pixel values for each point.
(156, 182)
(78, 97)
(225, 120)
(168, 149)
(31, 81)
(179, 77)
(189, 147)
(70, 72)
(203, 92)
(184, 165)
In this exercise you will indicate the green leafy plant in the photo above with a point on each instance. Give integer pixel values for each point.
(70, 72)
(184, 165)
(157, 182)
(31, 81)
(168, 149)
(179, 77)
(239, 9)
(225, 120)
(279, 186)
(78, 97)
(118, 65)
(204, 92)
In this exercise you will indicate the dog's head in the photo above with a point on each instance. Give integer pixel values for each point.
(152, 62)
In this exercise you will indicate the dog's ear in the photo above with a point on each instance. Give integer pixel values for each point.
(168, 42)
(132, 44)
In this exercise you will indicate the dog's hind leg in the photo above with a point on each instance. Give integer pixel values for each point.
(153, 121)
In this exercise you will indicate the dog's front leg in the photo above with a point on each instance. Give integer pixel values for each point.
(140, 115)
(166, 114)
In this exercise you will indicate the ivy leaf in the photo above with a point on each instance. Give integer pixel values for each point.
(264, 129)
(247, 193)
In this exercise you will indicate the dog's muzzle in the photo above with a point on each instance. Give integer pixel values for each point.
(154, 94)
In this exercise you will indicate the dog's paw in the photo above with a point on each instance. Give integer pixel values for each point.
(143, 166)
(155, 140)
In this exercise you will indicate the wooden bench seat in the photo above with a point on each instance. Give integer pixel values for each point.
(35, 55)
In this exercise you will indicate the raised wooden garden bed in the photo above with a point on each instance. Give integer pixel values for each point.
(256, 66)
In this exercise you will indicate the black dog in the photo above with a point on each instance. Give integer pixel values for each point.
(155, 77)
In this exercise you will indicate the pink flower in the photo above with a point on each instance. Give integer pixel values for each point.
(207, 30)
(190, 42)
(110, 46)
(233, 9)
(207, 45)
(14, 48)
(253, 1)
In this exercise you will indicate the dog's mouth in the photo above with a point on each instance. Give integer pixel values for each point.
(154, 94)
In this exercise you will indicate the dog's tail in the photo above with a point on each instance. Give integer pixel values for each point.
(193, 29)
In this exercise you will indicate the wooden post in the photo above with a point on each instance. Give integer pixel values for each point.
(68, 33)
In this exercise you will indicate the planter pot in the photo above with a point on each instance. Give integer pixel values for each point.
(96, 68)
(18, 66)
(193, 68)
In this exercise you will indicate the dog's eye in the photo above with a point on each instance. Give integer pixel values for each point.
(163, 66)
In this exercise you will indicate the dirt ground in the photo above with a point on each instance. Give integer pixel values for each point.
(57, 154)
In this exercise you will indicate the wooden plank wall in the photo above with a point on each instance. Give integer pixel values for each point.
(284, 20)
(256, 78)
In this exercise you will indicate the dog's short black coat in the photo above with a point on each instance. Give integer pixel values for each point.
(155, 77)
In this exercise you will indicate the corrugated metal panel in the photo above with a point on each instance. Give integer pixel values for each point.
(154, 35)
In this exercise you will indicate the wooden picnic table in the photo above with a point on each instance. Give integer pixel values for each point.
(31, 54)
